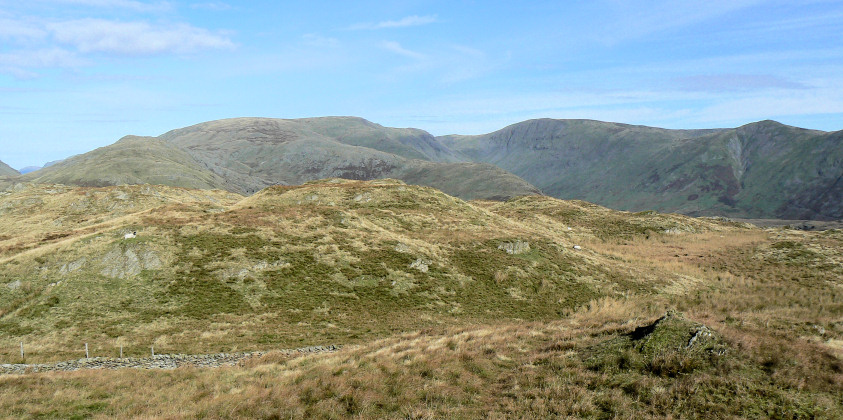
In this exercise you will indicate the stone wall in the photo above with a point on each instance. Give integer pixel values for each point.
(160, 361)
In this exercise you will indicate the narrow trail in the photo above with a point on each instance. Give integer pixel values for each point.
(161, 361)
(76, 235)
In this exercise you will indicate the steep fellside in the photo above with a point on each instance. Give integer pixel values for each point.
(764, 169)
(265, 152)
(132, 160)
(6, 170)
(582, 159)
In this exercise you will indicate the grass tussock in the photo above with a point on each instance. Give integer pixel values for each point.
(523, 370)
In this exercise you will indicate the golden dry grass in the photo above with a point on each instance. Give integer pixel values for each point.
(482, 335)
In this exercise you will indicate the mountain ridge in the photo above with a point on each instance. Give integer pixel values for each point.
(764, 169)
(739, 172)
(245, 155)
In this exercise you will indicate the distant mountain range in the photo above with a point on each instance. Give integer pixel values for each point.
(760, 170)
(28, 169)
(764, 169)
(245, 155)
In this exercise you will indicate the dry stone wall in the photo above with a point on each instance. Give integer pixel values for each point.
(161, 361)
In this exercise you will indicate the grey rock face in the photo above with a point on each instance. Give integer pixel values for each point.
(123, 263)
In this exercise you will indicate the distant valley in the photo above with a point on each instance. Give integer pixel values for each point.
(760, 170)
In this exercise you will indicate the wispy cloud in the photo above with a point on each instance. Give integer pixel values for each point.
(395, 47)
(20, 30)
(631, 21)
(20, 63)
(401, 23)
(136, 38)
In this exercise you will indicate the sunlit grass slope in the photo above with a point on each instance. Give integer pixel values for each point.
(446, 308)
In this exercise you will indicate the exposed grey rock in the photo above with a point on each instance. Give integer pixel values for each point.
(126, 263)
(700, 335)
(72, 266)
(420, 265)
(515, 248)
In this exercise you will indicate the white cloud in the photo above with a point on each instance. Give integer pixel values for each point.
(401, 23)
(136, 38)
(19, 31)
(396, 48)
(19, 63)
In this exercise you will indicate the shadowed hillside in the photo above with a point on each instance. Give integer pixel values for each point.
(763, 169)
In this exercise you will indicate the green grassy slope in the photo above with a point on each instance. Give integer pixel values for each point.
(327, 261)
(296, 151)
(446, 308)
(245, 155)
(410, 143)
(764, 169)
(132, 160)
(6, 170)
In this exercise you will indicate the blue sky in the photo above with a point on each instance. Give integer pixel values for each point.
(80, 74)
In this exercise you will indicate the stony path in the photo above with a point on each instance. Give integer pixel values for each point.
(162, 361)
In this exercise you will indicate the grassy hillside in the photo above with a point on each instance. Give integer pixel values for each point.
(6, 170)
(764, 169)
(296, 151)
(446, 308)
(336, 260)
(132, 160)
(245, 155)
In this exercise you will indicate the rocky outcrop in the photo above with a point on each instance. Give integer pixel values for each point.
(126, 262)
